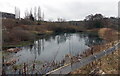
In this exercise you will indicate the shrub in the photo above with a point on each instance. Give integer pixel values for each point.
(108, 34)
(21, 34)
(6, 36)
(17, 34)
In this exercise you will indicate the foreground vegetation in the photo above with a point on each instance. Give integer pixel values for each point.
(108, 64)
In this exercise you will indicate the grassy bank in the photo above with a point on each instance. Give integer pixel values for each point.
(20, 44)
(107, 64)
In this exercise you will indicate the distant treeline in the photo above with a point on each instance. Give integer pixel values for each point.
(98, 21)
(36, 16)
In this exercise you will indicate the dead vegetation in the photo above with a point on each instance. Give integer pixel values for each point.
(11, 50)
(10, 62)
(108, 64)
(108, 34)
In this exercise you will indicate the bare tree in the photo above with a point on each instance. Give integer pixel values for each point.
(61, 20)
(39, 13)
(43, 16)
(27, 14)
(35, 13)
(31, 15)
(17, 13)
(89, 17)
(30, 11)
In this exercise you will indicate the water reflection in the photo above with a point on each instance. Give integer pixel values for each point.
(56, 46)
(93, 40)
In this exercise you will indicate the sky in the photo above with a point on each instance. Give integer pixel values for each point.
(66, 9)
(119, 9)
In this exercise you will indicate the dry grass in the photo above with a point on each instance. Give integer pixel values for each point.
(108, 63)
(108, 34)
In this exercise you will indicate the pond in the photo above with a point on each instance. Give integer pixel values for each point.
(55, 47)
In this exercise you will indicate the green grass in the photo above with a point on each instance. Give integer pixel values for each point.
(23, 43)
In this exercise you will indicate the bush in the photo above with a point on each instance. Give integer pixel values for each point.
(62, 27)
(108, 34)
(9, 23)
(22, 35)
(17, 34)
(6, 37)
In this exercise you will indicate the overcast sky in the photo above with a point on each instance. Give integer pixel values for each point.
(67, 9)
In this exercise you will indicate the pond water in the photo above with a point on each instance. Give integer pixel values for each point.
(55, 47)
